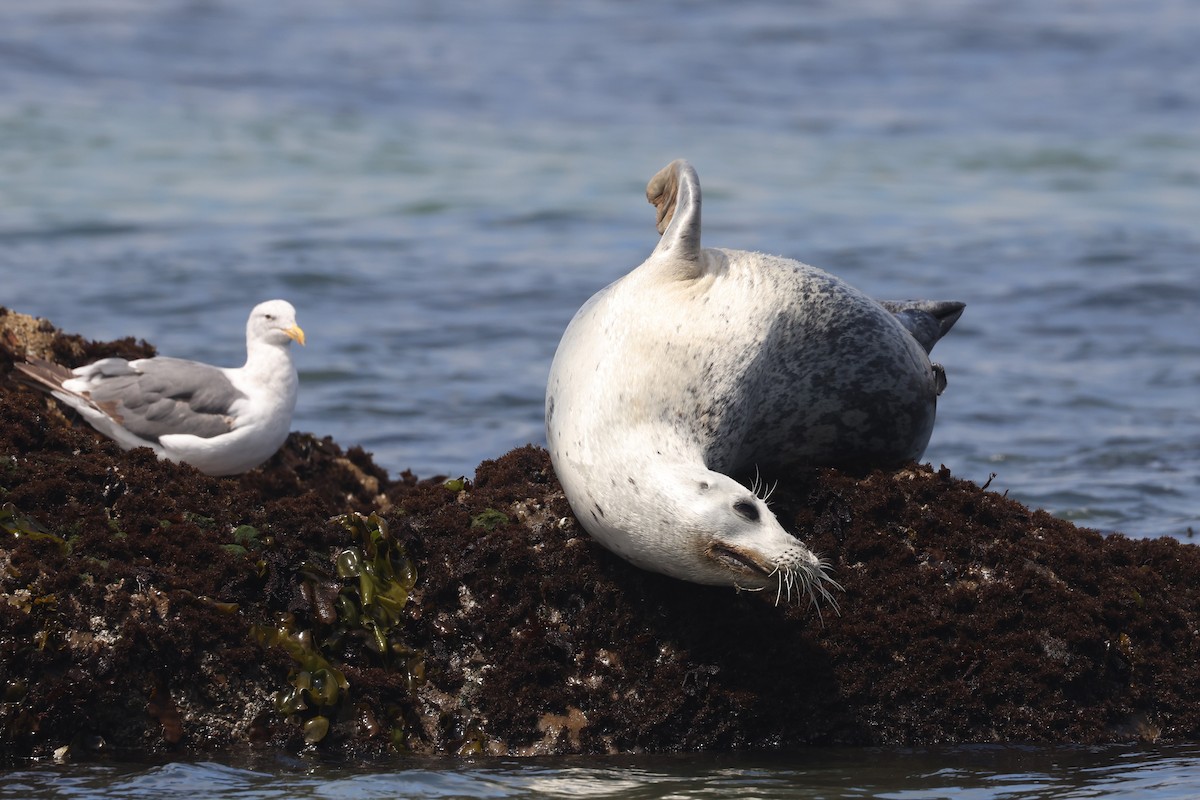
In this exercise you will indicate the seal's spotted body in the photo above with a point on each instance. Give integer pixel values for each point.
(707, 362)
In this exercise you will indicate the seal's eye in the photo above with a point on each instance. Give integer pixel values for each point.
(746, 509)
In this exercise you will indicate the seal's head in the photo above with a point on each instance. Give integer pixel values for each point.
(705, 527)
(737, 540)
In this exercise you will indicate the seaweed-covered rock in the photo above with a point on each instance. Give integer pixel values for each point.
(316, 603)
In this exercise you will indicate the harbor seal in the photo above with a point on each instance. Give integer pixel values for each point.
(701, 364)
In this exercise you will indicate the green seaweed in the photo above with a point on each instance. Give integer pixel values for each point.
(489, 519)
(357, 596)
(317, 685)
(247, 536)
(199, 520)
(22, 526)
(245, 539)
(377, 580)
(113, 525)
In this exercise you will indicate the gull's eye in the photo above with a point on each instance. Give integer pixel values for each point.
(746, 510)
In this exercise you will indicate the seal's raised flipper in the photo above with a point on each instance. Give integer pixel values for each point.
(675, 192)
(926, 320)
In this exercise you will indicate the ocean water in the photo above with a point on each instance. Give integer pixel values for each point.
(963, 773)
(438, 186)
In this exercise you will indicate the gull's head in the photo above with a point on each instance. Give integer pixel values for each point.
(274, 321)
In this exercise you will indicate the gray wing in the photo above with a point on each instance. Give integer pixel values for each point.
(168, 395)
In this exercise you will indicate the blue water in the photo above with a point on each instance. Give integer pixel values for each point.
(965, 773)
(438, 186)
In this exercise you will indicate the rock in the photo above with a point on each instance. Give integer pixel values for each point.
(318, 603)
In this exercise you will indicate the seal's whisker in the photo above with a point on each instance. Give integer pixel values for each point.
(820, 614)
(818, 591)
(806, 580)
(805, 588)
(823, 582)
(759, 487)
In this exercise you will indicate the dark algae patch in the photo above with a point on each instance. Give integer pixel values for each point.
(318, 604)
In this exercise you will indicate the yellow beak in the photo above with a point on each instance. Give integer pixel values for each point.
(295, 333)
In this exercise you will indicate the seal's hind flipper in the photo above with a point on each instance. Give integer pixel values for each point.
(926, 320)
(675, 192)
(939, 377)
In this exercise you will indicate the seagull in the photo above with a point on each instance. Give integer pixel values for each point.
(223, 421)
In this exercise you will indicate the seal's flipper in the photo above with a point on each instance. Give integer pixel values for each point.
(662, 191)
(926, 320)
(939, 377)
(675, 191)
